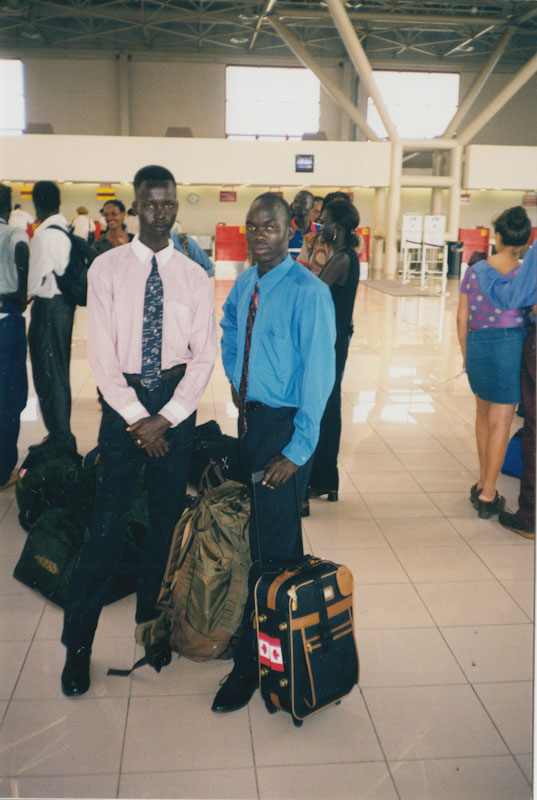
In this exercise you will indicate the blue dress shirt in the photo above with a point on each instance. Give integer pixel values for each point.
(194, 252)
(516, 293)
(292, 354)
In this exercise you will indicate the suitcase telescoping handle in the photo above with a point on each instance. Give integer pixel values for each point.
(257, 477)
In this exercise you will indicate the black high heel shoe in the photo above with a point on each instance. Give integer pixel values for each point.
(486, 508)
(331, 495)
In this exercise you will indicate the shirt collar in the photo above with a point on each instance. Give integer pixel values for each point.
(145, 254)
(54, 219)
(273, 276)
(295, 226)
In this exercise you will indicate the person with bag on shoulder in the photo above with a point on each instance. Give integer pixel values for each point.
(52, 314)
(152, 347)
(278, 351)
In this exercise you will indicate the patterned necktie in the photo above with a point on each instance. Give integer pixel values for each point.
(152, 329)
(252, 309)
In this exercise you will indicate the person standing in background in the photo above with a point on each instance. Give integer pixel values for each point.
(492, 342)
(52, 315)
(519, 292)
(14, 255)
(301, 223)
(82, 225)
(20, 218)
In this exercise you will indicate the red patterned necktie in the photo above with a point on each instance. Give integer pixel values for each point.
(252, 309)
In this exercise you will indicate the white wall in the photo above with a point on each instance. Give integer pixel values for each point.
(81, 95)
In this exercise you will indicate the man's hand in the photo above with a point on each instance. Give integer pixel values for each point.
(148, 433)
(278, 470)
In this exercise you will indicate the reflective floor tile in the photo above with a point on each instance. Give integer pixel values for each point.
(417, 531)
(432, 722)
(181, 732)
(509, 705)
(425, 564)
(342, 781)
(276, 741)
(470, 603)
(493, 653)
(412, 657)
(12, 658)
(389, 606)
(488, 778)
(522, 591)
(209, 784)
(72, 736)
(508, 562)
(384, 482)
(343, 533)
(78, 786)
(477, 531)
(20, 615)
(400, 505)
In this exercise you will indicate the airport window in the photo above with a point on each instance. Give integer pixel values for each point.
(12, 110)
(271, 103)
(421, 104)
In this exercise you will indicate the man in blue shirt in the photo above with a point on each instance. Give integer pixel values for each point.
(516, 293)
(278, 354)
(301, 223)
(189, 247)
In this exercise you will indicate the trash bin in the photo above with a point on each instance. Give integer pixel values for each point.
(454, 259)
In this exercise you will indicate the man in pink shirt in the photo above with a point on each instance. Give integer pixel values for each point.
(152, 346)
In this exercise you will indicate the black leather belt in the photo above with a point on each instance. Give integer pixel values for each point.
(134, 379)
(253, 405)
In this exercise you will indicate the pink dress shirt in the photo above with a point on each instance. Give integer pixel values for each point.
(116, 288)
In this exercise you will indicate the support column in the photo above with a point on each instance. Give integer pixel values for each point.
(327, 83)
(503, 97)
(454, 198)
(124, 95)
(379, 227)
(394, 205)
(436, 194)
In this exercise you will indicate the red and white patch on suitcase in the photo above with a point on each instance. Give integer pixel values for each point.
(270, 652)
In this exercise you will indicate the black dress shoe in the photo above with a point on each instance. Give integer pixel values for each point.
(236, 692)
(158, 655)
(75, 675)
(510, 521)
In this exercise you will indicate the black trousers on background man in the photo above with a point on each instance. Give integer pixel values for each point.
(118, 476)
(324, 473)
(49, 339)
(278, 518)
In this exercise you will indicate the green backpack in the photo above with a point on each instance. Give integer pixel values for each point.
(205, 584)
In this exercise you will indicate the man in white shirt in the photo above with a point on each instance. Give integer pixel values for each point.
(20, 218)
(51, 324)
(13, 379)
(152, 347)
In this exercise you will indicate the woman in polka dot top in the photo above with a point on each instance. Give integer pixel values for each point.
(491, 341)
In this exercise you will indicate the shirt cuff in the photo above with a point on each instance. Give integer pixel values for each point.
(133, 412)
(295, 454)
(174, 412)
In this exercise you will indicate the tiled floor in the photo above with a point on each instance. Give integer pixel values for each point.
(444, 606)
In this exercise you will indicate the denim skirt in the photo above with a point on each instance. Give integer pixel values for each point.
(493, 362)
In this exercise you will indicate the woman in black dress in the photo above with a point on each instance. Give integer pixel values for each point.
(342, 273)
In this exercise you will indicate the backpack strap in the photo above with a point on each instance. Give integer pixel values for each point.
(183, 238)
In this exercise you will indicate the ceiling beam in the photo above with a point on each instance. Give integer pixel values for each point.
(335, 92)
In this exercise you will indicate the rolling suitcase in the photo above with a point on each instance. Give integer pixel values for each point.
(308, 657)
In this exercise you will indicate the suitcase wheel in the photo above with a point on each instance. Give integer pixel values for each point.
(271, 708)
(297, 723)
